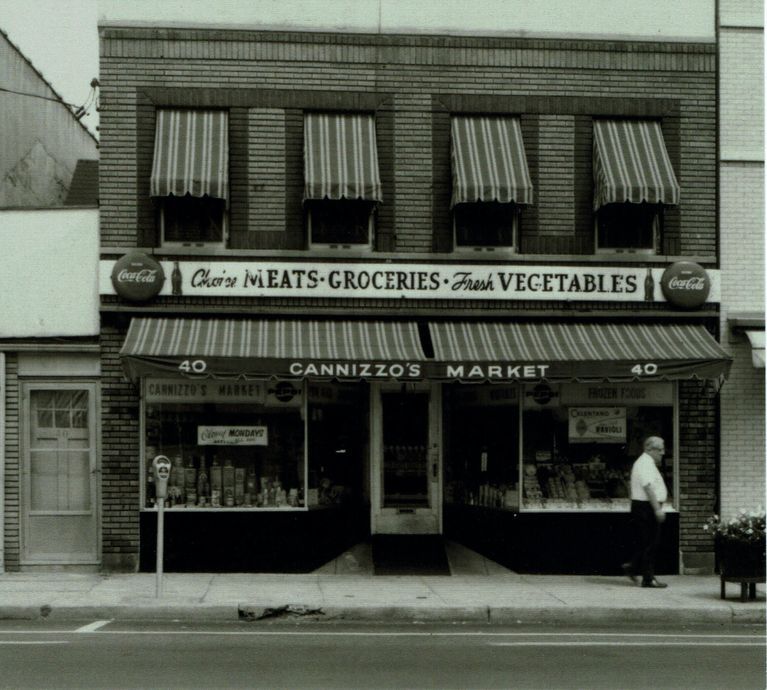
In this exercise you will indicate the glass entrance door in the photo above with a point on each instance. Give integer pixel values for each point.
(406, 468)
(405, 441)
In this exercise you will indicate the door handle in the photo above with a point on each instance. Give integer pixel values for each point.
(434, 470)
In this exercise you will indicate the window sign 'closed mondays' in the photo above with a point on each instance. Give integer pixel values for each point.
(232, 436)
(592, 424)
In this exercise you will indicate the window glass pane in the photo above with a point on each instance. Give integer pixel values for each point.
(193, 219)
(341, 221)
(562, 471)
(229, 455)
(44, 480)
(338, 433)
(405, 419)
(481, 455)
(484, 224)
(627, 226)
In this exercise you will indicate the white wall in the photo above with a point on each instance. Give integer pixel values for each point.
(49, 273)
(742, 241)
(655, 19)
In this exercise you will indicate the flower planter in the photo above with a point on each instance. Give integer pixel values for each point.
(742, 562)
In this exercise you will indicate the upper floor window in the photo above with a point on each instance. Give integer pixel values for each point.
(342, 185)
(633, 180)
(190, 176)
(491, 182)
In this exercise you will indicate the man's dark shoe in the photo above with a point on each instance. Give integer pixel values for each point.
(629, 573)
(655, 584)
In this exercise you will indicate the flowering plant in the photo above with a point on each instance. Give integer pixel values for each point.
(746, 526)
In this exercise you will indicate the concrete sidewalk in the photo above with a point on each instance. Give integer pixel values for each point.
(491, 598)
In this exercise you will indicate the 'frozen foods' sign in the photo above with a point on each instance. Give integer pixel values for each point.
(232, 436)
(596, 425)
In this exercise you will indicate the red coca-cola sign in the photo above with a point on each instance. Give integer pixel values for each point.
(137, 277)
(685, 284)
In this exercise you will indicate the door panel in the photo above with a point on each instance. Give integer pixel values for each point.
(60, 493)
(406, 459)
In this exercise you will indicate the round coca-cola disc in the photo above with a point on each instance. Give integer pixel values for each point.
(137, 277)
(685, 284)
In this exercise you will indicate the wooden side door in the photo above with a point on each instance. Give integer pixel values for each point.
(60, 492)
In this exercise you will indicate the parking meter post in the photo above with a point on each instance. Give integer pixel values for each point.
(161, 467)
(160, 544)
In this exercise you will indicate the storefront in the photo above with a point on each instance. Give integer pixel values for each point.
(294, 439)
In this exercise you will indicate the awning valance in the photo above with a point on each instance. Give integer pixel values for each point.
(631, 164)
(340, 157)
(573, 352)
(489, 162)
(756, 340)
(263, 348)
(191, 153)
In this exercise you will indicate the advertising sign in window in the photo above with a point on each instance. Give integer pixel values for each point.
(596, 425)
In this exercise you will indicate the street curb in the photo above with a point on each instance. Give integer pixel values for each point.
(729, 615)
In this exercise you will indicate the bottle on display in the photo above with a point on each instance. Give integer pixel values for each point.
(239, 486)
(190, 475)
(175, 279)
(150, 488)
(227, 477)
(203, 484)
(649, 286)
(251, 486)
(176, 480)
(215, 476)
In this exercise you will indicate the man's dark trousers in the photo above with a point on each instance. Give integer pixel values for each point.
(648, 532)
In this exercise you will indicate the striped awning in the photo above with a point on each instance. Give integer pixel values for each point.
(631, 164)
(340, 157)
(262, 348)
(574, 352)
(489, 162)
(191, 153)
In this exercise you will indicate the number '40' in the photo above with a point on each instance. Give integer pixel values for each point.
(195, 366)
(648, 369)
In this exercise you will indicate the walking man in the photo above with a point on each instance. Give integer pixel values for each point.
(648, 492)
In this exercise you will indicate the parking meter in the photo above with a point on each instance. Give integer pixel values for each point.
(161, 470)
(161, 467)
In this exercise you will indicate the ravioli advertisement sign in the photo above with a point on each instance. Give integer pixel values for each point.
(596, 424)
(410, 281)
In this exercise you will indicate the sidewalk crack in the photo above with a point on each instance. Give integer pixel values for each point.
(207, 589)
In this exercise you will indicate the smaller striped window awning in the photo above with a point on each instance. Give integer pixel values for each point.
(341, 157)
(631, 164)
(191, 153)
(257, 348)
(488, 160)
(577, 352)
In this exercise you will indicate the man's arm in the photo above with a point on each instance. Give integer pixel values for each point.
(660, 516)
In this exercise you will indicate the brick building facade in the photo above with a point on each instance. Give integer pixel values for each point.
(413, 86)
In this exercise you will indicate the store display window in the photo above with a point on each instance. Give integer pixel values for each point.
(337, 442)
(579, 442)
(233, 445)
(481, 425)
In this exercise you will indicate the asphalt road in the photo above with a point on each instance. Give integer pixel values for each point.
(119, 654)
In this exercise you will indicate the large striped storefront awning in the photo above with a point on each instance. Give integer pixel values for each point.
(262, 348)
(340, 157)
(631, 164)
(383, 350)
(191, 153)
(577, 352)
(489, 162)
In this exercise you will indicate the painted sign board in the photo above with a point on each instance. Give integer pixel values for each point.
(232, 436)
(406, 280)
(178, 390)
(596, 425)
